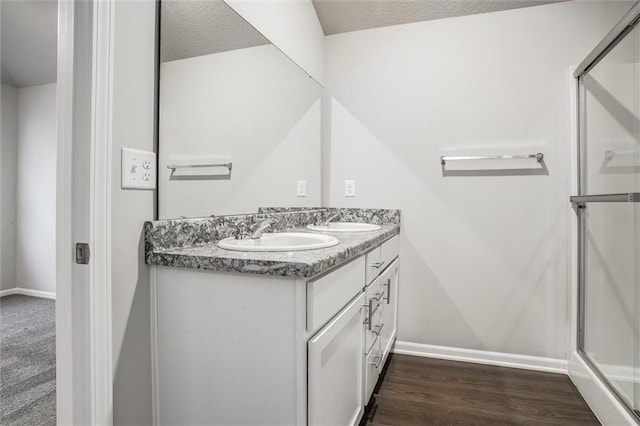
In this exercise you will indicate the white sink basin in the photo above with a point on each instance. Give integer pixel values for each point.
(344, 227)
(281, 241)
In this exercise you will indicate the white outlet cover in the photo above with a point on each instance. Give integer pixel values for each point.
(301, 188)
(138, 169)
(349, 188)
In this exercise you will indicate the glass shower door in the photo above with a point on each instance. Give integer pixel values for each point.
(609, 225)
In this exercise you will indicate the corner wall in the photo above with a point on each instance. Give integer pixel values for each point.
(36, 189)
(132, 126)
(292, 26)
(8, 178)
(484, 258)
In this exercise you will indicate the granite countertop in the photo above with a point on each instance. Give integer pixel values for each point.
(303, 263)
(163, 250)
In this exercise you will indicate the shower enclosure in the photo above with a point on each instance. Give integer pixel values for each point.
(608, 211)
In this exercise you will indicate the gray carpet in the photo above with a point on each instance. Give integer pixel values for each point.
(27, 361)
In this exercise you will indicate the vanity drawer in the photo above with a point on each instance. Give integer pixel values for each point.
(372, 334)
(381, 257)
(390, 250)
(374, 264)
(374, 305)
(373, 364)
(331, 292)
(389, 303)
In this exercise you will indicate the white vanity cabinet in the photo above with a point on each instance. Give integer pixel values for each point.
(248, 349)
(381, 313)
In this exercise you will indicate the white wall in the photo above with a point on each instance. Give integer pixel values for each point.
(132, 127)
(36, 190)
(251, 106)
(291, 25)
(8, 185)
(484, 258)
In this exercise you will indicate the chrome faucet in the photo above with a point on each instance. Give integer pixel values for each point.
(329, 219)
(258, 229)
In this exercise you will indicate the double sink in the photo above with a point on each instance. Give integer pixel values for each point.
(295, 241)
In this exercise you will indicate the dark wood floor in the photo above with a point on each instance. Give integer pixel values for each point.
(424, 391)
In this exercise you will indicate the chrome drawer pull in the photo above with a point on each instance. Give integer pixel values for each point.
(388, 284)
(378, 296)
(379, 361)
(376, 361)
(379, 329)
(377, 265)
(372, 311)
(372, 348)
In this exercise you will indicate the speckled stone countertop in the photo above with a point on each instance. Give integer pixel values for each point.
(191, 243)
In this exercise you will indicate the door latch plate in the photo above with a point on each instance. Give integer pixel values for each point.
(82, 253)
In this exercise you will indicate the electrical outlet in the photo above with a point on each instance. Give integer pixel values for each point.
(301, 189)
(138, 169)
(349, 188)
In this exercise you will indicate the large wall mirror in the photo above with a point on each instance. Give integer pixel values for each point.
(240, 124)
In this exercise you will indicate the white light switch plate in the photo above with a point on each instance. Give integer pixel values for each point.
(301, 188)
(349, 188)
(138, 169)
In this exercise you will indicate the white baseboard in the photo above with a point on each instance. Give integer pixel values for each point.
(602, 402)
(8, 292)
(526, 362)
(28, 292)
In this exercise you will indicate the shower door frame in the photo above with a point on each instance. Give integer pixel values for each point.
(592, 384)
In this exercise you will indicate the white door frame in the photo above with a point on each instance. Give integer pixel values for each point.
(83, 213)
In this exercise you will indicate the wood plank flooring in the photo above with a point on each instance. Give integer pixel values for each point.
(424, 391)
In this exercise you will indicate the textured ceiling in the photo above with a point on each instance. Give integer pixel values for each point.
(198, 27)
(339, 16)
(28, 32)
(195, 27)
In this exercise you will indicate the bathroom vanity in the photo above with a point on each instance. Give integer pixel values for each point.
(296, 337)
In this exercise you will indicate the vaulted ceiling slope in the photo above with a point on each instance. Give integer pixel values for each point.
(28, 45)
(339, 16)
(29, 27)
(191, 28)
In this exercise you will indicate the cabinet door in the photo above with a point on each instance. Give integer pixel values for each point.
(335, 369)
(389, 281)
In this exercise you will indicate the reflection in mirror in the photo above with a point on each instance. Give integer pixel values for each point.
(240, 124)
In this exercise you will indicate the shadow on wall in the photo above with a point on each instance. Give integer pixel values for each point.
(512, 317)
(132, 370)
(617, 110)
(534, 171)
(415, 323)
(612, 277)
(500, 325)
(616, 162)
